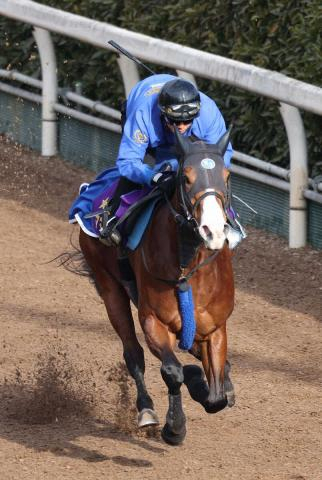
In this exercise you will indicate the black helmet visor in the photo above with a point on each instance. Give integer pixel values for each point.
(183, 112)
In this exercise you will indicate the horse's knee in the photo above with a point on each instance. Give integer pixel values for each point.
(172, 374)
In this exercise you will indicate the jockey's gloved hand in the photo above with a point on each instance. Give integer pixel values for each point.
(166, 167)
(165, 181)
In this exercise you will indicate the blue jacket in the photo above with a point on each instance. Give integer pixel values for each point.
(144, 128)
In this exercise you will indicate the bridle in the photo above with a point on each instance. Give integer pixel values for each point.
(185, 198)
(186, 220)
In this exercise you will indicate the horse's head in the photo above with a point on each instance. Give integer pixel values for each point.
(203, 187)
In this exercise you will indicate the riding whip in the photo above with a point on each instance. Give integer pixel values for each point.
(130, 56)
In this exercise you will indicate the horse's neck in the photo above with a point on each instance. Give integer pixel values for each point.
(160, 243)
(169, 243)
(162, 251)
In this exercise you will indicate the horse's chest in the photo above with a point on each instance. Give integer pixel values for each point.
(212, 312)
(208, 320)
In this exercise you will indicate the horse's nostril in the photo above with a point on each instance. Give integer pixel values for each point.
(207, 232)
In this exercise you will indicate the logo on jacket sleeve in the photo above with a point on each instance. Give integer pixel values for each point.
(154, 89)
(140, 137)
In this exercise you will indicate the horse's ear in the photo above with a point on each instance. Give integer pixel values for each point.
(183, 144)
(222, 143)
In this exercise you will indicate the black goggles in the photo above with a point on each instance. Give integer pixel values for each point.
(173, 121)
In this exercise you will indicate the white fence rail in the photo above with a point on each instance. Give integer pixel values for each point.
(272, 170)
(292, 94)
(248, 77)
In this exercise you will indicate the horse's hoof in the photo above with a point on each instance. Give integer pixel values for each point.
(172, 438)
(214, 407)
(147, 417)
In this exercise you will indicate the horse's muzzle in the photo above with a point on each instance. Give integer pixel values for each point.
(234, 237)
(212, 240)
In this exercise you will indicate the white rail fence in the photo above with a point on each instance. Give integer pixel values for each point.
(292, 94)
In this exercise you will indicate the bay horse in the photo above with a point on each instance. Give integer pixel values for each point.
(185, 245)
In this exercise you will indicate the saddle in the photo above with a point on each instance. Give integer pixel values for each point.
(134, 215)
(133, 224)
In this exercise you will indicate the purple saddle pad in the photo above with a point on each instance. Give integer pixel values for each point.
(127, 200)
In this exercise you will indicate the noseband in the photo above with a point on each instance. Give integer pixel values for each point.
(188, 205)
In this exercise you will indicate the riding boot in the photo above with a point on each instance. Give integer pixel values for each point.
(109, 235)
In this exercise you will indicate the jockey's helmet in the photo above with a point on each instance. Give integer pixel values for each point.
(179, 100)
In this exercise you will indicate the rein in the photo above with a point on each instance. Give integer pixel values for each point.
(182, 281)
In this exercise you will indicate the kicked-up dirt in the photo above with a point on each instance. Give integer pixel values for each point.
(67, 402)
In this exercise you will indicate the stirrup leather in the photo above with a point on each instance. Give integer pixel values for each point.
(109, 235)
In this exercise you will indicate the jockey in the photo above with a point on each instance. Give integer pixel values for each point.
(154, 106)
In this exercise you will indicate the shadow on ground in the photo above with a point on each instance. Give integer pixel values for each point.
(53, 406)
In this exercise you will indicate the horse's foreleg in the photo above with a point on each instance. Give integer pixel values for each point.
(214, 353)
(161, 343)
(220, 391)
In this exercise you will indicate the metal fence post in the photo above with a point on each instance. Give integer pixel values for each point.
(49, 91)
(187, 76)
(129, 72)
(298, 175)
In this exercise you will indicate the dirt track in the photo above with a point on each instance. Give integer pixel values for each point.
(65, 401)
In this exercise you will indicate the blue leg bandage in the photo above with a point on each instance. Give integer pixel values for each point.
(188, 331)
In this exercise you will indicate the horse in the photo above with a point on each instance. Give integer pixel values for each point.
(185, 247)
